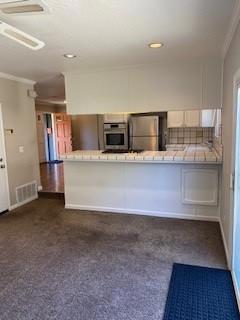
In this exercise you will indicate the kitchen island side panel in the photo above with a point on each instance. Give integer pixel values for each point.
(139, 188)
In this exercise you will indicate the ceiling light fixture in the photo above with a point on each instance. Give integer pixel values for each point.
(156, 45)
(20, 36)
(69, 56)
(11, 1)
(23, 9)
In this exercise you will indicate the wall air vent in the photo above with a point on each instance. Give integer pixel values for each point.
(26, 192)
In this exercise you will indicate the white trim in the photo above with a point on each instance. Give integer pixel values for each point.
(89, 159)
(15, 78)
(232, 28)
(236, 85)
(5, 156)
(237, 292)
(143, 212)
(225, 244)
(17, 205)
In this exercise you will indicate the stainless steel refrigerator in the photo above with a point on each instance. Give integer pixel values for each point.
(144, 132)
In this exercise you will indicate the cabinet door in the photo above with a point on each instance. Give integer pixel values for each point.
(113, 118)
(200, 186)
(208, 118)
(192, 118)
(175, 119)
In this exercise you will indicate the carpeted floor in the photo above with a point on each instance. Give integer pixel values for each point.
(63, 264)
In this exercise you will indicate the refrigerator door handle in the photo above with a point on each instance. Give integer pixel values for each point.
(130, 128)
(156, 126)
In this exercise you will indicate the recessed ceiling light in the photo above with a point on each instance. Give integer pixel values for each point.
(155, 45)
(69, 56)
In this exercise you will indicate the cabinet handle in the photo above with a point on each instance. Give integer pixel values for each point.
(2, 166)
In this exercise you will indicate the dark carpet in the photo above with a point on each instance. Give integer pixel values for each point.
(198, 293)
(65, 264)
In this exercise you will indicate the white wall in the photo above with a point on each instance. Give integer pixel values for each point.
(231, 66)
(158, 87)
(51, 108)
(19, 115)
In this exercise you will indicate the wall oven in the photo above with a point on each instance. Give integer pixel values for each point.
(116, 136)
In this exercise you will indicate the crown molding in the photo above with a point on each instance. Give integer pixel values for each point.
(232, 28)
(18, 79)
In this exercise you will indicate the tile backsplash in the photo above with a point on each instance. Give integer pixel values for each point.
(189, 135)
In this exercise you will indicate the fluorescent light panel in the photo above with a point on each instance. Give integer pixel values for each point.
(23, 9)
(20, 36)
(11, 2)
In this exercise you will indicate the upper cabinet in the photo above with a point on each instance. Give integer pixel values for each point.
(192, 118)
(208, 118)
(115, 118)
(175, 119)
(178, 119)
(175, 85)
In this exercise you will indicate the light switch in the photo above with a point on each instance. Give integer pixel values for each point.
(8, 131)
(21, 149)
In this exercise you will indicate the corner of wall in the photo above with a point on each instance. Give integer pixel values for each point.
(229, 263)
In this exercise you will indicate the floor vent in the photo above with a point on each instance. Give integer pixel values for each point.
(26, 192)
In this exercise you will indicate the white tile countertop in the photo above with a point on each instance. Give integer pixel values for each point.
(188, 154)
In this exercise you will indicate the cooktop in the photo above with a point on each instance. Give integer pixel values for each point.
(123, 151)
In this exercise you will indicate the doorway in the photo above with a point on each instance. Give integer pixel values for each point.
(54, 139)
(236, 218)
(4, 190)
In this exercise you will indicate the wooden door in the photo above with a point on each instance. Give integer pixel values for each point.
(63, 133)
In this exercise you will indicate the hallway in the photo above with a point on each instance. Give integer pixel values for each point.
(52, 178)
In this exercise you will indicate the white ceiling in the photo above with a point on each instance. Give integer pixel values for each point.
(109, 33)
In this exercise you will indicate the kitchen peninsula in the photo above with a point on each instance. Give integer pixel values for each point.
(179, 184)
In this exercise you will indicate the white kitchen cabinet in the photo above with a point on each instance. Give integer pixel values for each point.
(147, 88)
(115, 117)
(178, 119)
(208, 118)
(175, 119)
(192, 118)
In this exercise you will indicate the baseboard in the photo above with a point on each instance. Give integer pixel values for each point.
(40, 188)
(236, 289)
(142, 212)
(225, 245)
(17, 205)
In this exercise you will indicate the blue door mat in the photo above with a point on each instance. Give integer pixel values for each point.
(198, 293)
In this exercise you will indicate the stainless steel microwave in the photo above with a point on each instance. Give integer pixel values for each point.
(116, 136)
